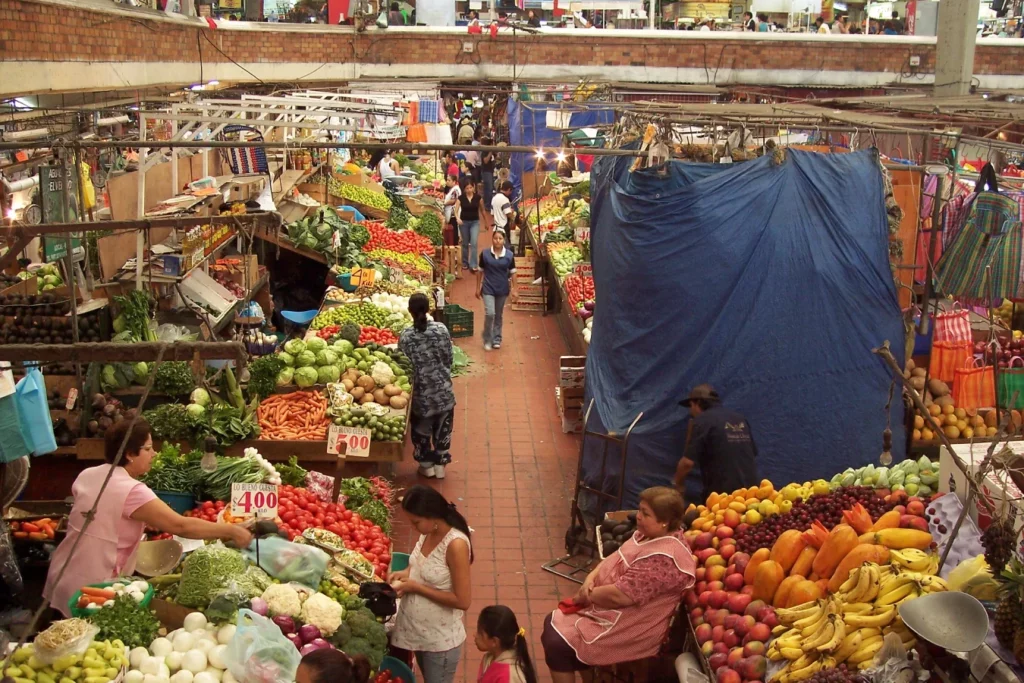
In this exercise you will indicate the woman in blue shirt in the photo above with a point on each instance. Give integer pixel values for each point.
(497, 266)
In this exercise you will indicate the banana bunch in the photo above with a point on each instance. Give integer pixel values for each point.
(915, 560)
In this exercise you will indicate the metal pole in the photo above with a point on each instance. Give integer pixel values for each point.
(81, 217)
(69, 267)
(140, 204)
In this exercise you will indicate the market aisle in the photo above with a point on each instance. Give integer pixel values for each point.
(512, 471)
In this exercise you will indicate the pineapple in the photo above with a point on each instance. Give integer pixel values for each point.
(1018, 646)
(1009, 620)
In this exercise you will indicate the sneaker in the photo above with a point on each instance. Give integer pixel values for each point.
(429, 471)
(488, 347)
(496, 345)
(439, 471)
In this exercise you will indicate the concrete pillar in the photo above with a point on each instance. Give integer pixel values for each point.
(954, 58)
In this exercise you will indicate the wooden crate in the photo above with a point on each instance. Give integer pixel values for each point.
(532, 307)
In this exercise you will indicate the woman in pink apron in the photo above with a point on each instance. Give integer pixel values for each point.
(625, 605)
(125, 507)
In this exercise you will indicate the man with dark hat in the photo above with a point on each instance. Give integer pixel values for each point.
(720, 442)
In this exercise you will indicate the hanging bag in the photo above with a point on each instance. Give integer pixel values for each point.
(953, 325)
(34, 412)
(946, 357)
(974, 387)
(1011, 381)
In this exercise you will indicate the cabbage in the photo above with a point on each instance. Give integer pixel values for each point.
(294, 346)
(316, 344)
(287, 358)
(344, 346)
(285, 376)
(195, 410)
(305, 359)
(119, 324)
(200, 396)
(326, 357)
(141, 371)
(328, 374)
(305, 376)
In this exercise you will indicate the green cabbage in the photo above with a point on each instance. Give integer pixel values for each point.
(285, 376)
(195, 410)
(344, 346)
(200, 396)
(327, 374)
(326, 357)
(141, 372)
(306, 376)
(294, 346)
(287, 358)
(316, 344)
(305, 359)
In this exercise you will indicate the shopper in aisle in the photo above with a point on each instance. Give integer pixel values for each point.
(429, 348)
(332, 666)
(748, 22)
(122, 512)
(493, 285)
(435, 590)
(532, 20)
(720, 442)
(503, 642)
(467, 217)
(841, 26)
(488, 162)
(387, 167)
(501, 210)
(451, 200)
(623, 610)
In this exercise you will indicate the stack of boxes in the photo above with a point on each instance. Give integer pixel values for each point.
(527, 296)
(569, 392)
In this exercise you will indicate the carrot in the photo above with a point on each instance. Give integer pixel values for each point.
(99, 592)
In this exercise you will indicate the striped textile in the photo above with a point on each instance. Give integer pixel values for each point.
(991, 236)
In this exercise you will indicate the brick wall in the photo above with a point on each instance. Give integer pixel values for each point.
(59, 32)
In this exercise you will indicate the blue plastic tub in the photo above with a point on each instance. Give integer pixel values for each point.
(398, 669)
(179, 502)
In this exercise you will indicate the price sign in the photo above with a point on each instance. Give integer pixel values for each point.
(583, 269)
(72, 397)
(355, 440)
(257, 500)
(582, 234)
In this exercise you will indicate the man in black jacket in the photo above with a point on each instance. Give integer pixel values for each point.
(720, 442)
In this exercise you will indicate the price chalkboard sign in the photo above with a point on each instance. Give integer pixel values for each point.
(51, 195)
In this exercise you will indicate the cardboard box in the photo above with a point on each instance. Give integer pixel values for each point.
(572, 372)
(996, 487)
(242, 188)
(238, 273)
(572, 417)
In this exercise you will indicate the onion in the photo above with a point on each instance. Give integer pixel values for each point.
(294, 638)
(216, 657)
(225, 634)
(194, 621)
(285, 623)
(161, 647)
(322, 644)
(183, 642)
(260, 606)
(194, 661)
(309, 633)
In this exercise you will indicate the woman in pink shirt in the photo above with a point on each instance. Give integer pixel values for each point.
(108, 545)
(506, 657)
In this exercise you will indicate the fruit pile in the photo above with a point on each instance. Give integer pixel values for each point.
(368, 334)
(404, 242)
(840, 561)
(410, 264)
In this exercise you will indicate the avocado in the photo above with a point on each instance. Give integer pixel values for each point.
(620, 529)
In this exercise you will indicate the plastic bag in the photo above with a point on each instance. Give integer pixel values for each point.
(34, 412)
(892, 663)
(259, 652)
(287, 561)
(172, 333)
(973, 576)
(74, 646)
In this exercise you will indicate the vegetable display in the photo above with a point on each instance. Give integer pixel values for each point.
(134, 319)
(174, 378)
(172, 471)
(300, 415)
(428, 225)
(195, 653)
(127, 621)
(405, 242)
(327, 233)
(100, 662)
(42, 529)
(263, 374)
(206, 572)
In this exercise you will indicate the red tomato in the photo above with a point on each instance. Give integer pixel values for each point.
(329, 518)
(208, 505)
(347, 515)
(288, 516)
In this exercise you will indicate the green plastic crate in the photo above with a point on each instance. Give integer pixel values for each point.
(458, 320)
(81, 612)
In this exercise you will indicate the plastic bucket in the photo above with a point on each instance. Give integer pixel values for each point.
(179, 502)
(399, 561)
(398, 669)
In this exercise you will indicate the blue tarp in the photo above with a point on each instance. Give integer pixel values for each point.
(527, 125)
(771, 282)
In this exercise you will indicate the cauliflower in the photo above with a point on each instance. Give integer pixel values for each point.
(282, 599)
(382, 373)
(322, 612)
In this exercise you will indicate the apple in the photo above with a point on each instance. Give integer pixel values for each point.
(703, 540)
(764, 612)
(716, 586)
(730, 638)
(745, 624)
(717, 633)
(735, 655)
(738, 602)
(727, 675)
(727, 550)
(715, 573)
(730, 620)
(696, 613)
(753, 667)
(760, 631)
(731, 518)
(754, 607)
(706, 554)
(690, 599)
(739, 561)
(718, 660)
(724, 532)
(754, 647)
(747, 590)
(703, 633)
(704, 598)
(913, 522)
(771, 620)
(720, 647)
(707, 648)
(902, 509)
(718, 599)
(716, 617)
(733, 582)
(915, 507)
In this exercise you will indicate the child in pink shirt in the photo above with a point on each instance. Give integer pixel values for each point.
(503, 642)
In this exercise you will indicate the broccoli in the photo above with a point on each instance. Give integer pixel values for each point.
(360, 646)
(350, 332)
(361, 633)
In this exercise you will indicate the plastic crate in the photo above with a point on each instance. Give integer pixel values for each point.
(458, 320)
(179, 502)
(81, 612)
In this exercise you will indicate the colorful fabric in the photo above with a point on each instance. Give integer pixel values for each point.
(974, 388)
(990, 242)
(946, 357)
(429, 111)
(953, 326)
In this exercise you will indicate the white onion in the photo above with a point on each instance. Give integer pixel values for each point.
(195, 621)
(134, 676)
(183, 642)
(161, 647)
(225, 634)
(151, 666)
(216, 657)
(204, 677)
(228, 677)
(173, 661)
(204, 645)
(194, 661)
(137, 656)
(182, 676)
(149, 678)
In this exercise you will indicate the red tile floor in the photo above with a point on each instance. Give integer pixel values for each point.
(512, 471)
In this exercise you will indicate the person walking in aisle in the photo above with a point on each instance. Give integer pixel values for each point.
(467, 217)
(488, 162)
(451, 200)
(435, 590)
(493, 284)
(501, 210)
(429, 348)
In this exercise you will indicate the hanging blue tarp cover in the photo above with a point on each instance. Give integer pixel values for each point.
(527, 125)
(771, 282)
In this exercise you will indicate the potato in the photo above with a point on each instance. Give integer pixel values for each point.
(910, 365)
(367, 398)
(366, 382)
(348, 384)
(917, 383)
(380, 397)
(918, 372)
(937, 387)
(398, 402)
(357, 392)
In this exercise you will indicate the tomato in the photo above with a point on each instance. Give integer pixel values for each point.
(208, 505)
(347, 515)
(365, 544)
(330, 518)
(288, 516)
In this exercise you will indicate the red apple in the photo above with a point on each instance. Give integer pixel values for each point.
(730, 638)
(738, 602)
(915, 507)
(718, 660)
(760, 632)
(754, 607)
(902, 509)
(913, 522)
(763, 613)
(735, 655)
(704, 599)
(739, 561)
(727, 550)
(724, 532)
(730, 620)
(703, 633)
(717, 633)
(706, 554)
(747, 590)
(727, 675)
(716, 617)
(720, 647)
(696, 613)
(700, 587)
(771, 620)
(703, 541)
(718, 599)
(733, 582)
(745, 624)
(707, 648)
(754, 647)
(753, 667)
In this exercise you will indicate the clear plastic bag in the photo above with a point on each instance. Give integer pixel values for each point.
(259, 652)
(289, 562)
(893, 664)
(171, 333)
(73, 646)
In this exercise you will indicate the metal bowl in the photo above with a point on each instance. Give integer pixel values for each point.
(155, 558)
(952, 620)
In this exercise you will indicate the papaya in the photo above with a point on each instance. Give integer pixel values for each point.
(756, 559)
(822, 585)
(787, 548)
(889, 520)
(841, 540)
(803, 591)
(863, 552)
(898, 539)
(767, 578)
(802, 566)
(781, 598)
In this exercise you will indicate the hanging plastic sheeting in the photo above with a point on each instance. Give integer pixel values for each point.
(527, 125)
(771, 282)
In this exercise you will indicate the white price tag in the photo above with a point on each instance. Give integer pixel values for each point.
(72, 397)
(582, 234)
(256, 500)
(355, 440)
(583, 269)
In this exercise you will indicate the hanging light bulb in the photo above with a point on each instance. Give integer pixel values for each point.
(886, 457)
(209, 461)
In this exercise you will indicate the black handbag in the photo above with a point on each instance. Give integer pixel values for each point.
(381, 598)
